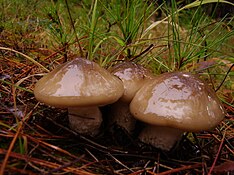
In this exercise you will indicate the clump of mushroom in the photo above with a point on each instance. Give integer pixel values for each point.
(173, 103)
(81, 86)
(133, 77)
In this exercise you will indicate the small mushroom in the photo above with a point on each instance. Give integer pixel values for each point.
(81, 86)
(133, 77)
(173, 103)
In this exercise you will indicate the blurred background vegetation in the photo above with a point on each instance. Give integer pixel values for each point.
(164, 36)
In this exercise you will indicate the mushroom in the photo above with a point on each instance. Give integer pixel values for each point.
(173, 103)
(81, 86)
(133, 77)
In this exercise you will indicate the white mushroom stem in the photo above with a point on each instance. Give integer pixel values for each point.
(160, 137)
(120, 115)
(85, 120)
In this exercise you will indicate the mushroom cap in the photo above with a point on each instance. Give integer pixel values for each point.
(179, 100)
(79, 82)
(133, 77)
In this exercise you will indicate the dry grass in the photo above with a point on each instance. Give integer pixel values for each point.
(36, 139)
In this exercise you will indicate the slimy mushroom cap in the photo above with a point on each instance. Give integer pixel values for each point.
(133, 77)
(178, 100)
(79, 82)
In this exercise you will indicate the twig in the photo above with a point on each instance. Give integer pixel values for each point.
(91, 154)
(45, 144)
(143, 52)
(229, 70)
(226, 146)
(119, 162)
(13, 170)
(26, 56)
(45, 163)
(65, 165)
(10, 149)
(86, 139)
(73, 26)
(217, 155)
(175, 170)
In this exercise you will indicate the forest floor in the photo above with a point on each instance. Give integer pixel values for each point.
(36, 139)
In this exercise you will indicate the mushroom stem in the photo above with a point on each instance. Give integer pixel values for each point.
(160, 137)
(120, 115)
(85, 120)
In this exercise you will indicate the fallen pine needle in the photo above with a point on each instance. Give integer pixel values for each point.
(45, 163)
(4, 163)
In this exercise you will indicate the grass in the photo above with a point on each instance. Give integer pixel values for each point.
(36, 139)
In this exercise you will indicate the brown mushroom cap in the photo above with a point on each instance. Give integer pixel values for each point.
(178, 100)
(133, 77)
(79, 82)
